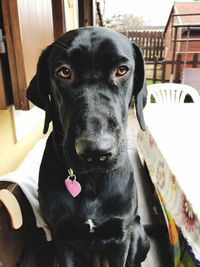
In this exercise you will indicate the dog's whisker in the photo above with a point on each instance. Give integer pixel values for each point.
(127, 140)
(58, 41)
(132, 149)
(58, 46)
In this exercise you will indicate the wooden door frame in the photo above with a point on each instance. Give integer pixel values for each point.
(23, 51)
(58, 18)
(15, 55)
(86, 12)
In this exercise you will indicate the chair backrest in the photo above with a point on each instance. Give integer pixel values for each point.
(171, 93)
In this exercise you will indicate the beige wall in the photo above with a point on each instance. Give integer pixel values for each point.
(11, 151)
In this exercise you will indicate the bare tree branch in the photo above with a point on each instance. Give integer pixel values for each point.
(124, 22)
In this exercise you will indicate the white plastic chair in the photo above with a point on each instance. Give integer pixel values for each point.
(171, 93)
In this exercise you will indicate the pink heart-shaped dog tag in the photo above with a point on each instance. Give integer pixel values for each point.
(73, 187)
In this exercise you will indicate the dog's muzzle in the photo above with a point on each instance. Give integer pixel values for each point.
(94, 150)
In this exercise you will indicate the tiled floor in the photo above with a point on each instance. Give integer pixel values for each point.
(159, 255)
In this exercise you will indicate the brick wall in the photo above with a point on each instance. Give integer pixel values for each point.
(192, 46)
(169, 36)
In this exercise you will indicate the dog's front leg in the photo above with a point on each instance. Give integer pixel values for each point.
(117, 254)
(68, 257)
(139, 245)
(64, 256)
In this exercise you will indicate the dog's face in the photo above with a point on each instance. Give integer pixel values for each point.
(85, 81)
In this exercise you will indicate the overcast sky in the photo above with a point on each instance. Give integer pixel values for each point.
(155, 12)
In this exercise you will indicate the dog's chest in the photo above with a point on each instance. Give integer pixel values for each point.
(90, 222)
(98, 212)
(94, 229)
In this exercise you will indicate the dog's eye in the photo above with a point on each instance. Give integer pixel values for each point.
(64, 73)
(122, 70)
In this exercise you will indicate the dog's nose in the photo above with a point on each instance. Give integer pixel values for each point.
(98, 150)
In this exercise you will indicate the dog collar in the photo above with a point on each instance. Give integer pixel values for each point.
(72, 185)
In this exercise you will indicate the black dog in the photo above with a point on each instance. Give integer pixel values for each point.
(85, 82)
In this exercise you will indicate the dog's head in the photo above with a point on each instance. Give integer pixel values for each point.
(85, 82)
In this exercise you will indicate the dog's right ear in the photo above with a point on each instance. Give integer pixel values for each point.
(38, 90)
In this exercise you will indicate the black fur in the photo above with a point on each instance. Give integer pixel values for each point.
(89, 113)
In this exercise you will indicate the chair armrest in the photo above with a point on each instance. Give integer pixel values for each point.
(12, 206)
(27, 245)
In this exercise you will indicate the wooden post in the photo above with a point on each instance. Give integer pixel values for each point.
(155, 69)
(154, 45)
(161, 46)
(143, 46)
(195, 61)
(173, 56)
(147, 45)
(178, 68)
(163, 70)
(150, 45)
(140, 39)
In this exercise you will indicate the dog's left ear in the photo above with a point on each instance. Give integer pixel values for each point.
(139, 86)
(38, 90)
